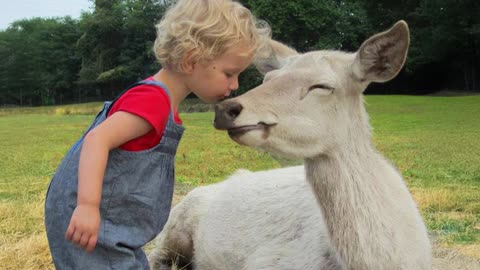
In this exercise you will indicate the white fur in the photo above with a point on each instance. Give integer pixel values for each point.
(314, 107)
(263, 220)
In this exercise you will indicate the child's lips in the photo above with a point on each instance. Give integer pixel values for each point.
(224, 96)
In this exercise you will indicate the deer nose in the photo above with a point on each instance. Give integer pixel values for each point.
(226, 113)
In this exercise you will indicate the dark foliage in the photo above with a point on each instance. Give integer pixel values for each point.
(62, 60)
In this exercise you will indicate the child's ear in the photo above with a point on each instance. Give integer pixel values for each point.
(189, 61)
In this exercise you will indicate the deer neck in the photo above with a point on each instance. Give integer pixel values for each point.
(350, 191)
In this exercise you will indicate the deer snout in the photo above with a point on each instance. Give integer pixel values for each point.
(226, 113)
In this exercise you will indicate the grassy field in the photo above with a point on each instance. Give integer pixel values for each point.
(434, 141)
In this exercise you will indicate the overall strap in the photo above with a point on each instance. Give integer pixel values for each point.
(147, 82)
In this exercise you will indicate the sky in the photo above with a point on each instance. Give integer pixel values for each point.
(12, 10)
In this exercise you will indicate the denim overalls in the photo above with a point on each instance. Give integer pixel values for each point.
(136, 200)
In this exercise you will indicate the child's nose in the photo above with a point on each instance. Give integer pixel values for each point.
(234, 84)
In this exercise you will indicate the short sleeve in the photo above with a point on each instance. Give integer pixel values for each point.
(148, 102)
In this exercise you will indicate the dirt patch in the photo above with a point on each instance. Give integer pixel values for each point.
(180, 191)
(450, 259)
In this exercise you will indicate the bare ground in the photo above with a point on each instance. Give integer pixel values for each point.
(449, 259)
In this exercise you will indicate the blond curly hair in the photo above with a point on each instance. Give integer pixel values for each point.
(206, 29)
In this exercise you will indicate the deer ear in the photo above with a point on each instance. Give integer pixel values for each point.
(381, 57)
(272, 56)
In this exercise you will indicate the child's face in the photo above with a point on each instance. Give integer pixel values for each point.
(215, 79)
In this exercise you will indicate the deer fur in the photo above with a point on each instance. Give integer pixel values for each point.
(355, 213)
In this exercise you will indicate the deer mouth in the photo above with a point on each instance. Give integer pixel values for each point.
(240, 130)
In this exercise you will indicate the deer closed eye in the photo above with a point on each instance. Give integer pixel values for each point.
(323, 89)
(319, 88)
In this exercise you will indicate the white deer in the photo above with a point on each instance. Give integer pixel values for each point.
(354, 212)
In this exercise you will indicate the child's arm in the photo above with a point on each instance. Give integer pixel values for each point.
(116, 130)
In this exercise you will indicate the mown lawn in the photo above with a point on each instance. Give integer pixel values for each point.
(434, 142)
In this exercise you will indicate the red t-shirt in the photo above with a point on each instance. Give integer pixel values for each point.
(151, 103)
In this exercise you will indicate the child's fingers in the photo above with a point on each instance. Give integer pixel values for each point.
(91, 243)
(84, 240)
(69, 232)
(76, 237)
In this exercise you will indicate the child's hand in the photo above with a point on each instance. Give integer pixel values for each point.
(84, 225)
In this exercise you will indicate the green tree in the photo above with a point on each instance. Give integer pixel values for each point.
(309, 25)
(136, 57)
(22, 77)
(448, 35)
(445, 36)
(40, 62)
(116, 47)
(58, 60)
(61, 62)
(99, 49)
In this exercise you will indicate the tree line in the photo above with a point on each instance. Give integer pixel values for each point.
(47, 61)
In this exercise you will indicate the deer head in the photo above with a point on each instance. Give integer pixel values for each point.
(311, 104)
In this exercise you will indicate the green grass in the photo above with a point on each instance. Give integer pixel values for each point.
(433, 141)
(85, 109)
